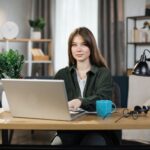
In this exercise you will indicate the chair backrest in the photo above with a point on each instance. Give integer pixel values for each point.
(116, 95)
(122, 82)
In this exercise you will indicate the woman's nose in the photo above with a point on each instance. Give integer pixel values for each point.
(79, 47)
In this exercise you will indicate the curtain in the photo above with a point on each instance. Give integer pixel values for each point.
(71, 14)
(111, 34)
(44, 9)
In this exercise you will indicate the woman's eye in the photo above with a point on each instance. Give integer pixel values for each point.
(84, 44)
(74, 44)
(81, 45)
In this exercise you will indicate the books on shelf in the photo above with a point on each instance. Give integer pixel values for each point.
(38, 55)
(140, 35)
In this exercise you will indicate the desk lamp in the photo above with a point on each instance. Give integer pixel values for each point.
(141, 67)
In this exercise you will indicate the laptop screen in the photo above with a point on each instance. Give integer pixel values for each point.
(37, 98)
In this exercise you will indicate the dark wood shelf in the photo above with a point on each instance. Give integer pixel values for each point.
(139, 17)
(139, 43)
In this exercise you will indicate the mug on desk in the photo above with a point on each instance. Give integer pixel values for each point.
(105, 108)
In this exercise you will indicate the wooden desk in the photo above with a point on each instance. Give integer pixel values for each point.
(86, 122)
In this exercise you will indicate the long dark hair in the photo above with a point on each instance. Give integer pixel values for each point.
(96, 57)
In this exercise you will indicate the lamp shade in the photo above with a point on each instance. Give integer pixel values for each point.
(141, 68)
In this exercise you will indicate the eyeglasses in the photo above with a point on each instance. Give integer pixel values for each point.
(127, 113)
(134, 113)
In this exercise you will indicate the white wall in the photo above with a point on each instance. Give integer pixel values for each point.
(18, 11)
(71, 14)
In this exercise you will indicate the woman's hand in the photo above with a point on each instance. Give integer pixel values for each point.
(74, 104)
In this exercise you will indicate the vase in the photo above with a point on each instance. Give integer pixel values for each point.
(35, 35)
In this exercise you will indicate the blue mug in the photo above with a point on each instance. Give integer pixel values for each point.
(105, 108)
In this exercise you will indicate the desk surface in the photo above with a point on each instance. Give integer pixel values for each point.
(86, 122)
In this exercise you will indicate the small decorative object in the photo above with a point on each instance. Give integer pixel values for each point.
(37, 25)
(11, 63)
(146, 31)
(137, 35)
(9, 30)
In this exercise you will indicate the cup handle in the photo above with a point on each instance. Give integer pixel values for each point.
(114, 109)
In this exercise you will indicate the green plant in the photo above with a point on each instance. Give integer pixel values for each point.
(37, 24)
(11, 63)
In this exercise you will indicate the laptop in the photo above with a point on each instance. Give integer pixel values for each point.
(38, 98)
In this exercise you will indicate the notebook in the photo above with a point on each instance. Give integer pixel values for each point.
(37, 98)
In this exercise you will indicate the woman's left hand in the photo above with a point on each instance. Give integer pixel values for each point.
(74, 104)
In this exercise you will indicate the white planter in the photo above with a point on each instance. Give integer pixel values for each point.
(35, 35)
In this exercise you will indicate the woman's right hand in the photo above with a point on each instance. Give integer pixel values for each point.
(74, 104)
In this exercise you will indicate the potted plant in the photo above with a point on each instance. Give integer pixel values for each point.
(37, 25)
(11, 63)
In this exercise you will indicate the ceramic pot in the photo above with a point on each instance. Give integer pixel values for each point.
(36, 35)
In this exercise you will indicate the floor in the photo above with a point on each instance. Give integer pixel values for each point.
(32, 138)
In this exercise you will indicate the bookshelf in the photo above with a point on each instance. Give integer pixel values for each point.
(44, 58)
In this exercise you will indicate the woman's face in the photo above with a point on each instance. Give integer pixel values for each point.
(79, 49)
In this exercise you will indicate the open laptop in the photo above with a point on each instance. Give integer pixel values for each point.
(37, 98)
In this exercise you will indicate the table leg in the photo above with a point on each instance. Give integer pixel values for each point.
(5, 137)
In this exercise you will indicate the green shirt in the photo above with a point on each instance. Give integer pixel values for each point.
(98, 85)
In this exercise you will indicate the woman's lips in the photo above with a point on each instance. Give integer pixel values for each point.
(79, 55)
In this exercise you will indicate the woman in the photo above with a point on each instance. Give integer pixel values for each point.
(87, 79)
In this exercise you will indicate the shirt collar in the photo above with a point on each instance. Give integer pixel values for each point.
(72, 68)
(93, 70)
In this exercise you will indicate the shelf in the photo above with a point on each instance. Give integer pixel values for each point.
(25, 40)
(139, 17)
(139, 43)
(43, 61)
(47, 57)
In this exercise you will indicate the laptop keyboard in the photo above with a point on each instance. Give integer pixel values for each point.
(77, 112)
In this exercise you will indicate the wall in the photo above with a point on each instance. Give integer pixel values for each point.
(18, 11)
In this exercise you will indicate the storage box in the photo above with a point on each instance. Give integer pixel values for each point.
(40, 58)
